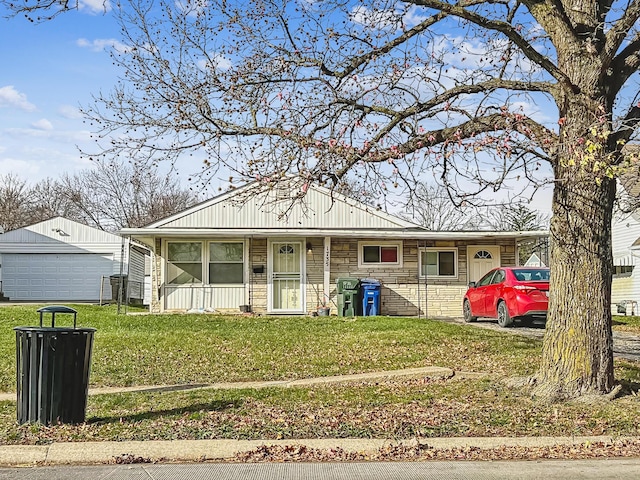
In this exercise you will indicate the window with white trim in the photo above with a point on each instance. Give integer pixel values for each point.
(184, 262)
(373, 254)
(621, 271)
(226, 262)
(439, 262)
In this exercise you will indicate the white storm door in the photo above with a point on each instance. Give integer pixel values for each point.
(286, 286)
(481, 259)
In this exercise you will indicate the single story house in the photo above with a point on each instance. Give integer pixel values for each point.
(237, 252)
(60, 260)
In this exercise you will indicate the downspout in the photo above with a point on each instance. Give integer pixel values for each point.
(418, 277)
(120, 281)
(251, 275)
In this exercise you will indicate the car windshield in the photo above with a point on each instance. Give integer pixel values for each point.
(532, 274)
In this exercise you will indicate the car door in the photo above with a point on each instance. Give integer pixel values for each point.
(492, 293)
(477, 295)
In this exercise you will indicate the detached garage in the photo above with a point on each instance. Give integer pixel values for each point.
(62, 260)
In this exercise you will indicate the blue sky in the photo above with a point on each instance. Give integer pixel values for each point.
(49, 70)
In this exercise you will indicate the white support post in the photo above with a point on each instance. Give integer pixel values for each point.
(326, 262)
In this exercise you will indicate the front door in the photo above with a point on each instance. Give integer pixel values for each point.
(286, 286)
(481, 259)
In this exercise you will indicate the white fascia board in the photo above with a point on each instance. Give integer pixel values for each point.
(59, 248)
(395, 234)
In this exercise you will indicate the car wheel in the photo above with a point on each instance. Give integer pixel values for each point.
(466, 311)
(504, 320)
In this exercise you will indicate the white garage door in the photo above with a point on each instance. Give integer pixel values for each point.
(54, 277)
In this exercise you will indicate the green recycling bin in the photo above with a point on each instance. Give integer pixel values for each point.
(348, 297)
(52, 370)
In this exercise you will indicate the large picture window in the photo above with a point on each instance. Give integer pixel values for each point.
(379, 254)
(226, 262)
(435, 262)
(184, 262)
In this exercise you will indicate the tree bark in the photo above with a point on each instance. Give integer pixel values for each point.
(577, 356)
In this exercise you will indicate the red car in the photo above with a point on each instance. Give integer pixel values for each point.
(508, 293)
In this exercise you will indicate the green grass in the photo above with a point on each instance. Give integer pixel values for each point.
(400, 409)
(173, 349)
(176, 349)
(627, 324)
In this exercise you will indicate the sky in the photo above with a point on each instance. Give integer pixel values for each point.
(49, 70)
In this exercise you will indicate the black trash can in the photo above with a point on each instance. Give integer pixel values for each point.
(52, 370)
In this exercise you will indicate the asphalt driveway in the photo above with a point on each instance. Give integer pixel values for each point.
(625, 345)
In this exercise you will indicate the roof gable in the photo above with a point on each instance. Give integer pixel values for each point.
(59, 230)
(282, 209)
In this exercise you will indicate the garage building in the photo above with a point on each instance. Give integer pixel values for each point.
(62, 260)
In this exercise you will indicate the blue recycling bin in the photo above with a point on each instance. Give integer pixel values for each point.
(370, 296)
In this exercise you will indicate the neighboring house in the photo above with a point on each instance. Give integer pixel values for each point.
(60, 260)
(625, 287)
(231, 253)
(625, 242)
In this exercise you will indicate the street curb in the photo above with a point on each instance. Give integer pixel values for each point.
(87, 453)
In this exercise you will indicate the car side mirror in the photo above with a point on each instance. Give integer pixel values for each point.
(472, 284)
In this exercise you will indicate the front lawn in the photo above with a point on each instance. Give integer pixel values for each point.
(176, 349)
(198, 348)
(626, 324)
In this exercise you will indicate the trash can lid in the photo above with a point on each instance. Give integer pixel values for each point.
(369, 281)
(74, 330)
(56, 309)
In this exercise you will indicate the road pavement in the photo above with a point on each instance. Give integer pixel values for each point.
(504, 470)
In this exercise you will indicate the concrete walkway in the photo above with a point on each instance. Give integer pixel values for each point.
(200, 450)
(420, 372)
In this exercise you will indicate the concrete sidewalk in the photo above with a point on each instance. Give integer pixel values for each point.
(88, 453)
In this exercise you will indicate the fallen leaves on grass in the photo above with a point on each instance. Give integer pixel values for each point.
(418, 451)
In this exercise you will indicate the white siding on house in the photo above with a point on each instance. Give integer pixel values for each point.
(61, 260)
(625, 231)
(204, 297)
(316, 211)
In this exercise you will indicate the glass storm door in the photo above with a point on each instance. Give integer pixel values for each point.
(286, 277)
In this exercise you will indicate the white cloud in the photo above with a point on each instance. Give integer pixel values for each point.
(65, 136)
(375, 19)
(218, 62)
(403, 16)
(42, 124)
(94, 6)
(192, 7)
(10, 97)
(70, 112)
(23, 168)
(102, 44)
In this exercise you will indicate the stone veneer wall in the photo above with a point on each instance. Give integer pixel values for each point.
(402, 293)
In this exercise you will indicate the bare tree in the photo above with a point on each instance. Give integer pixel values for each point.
(109, 196)
(517, 218)
(432, 207)
(14, 202)
(114, 195)
(48, 199)
(394, 92)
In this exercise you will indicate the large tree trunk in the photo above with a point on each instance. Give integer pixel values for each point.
(577, 356)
